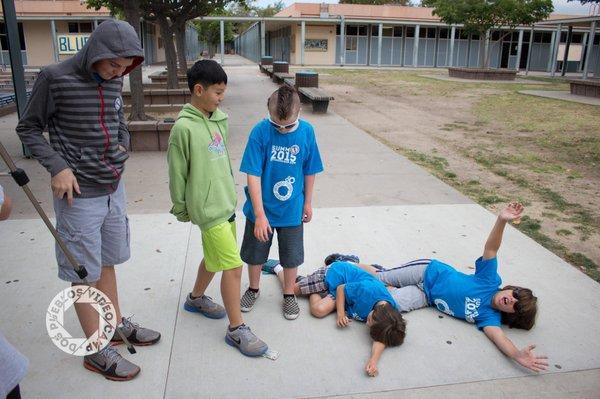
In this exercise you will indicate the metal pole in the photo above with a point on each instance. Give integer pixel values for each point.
(379, 44)
(402, 45)
(416, 46)
(343, 41)
(529, 51)
(302, 41)
(583, 48)
(566, 55)
(54, 43)
(519, 48)
(552, 41)
(590, 47)
(435, 50)
(16, 62)
(469, 50)
(222, 23)
(556, 46)
(452, 35)
(263, 35)
(486, 47)
(95, 24)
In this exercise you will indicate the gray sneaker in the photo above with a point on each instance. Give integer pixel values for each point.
(248, 300)
(291, 310)
(111, 365)
(245, 340)
(135, 334)
(205, 306)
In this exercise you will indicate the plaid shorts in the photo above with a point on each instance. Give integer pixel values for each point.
(314, 283)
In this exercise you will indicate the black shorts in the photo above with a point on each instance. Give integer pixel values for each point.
(289, 239)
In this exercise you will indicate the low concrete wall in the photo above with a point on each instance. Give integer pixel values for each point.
(588, 87)
(482, 73)
(149, 135)
(161, 77)
(161, 96)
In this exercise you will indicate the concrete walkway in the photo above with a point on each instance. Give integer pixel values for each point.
(370, 201)
(562, 95)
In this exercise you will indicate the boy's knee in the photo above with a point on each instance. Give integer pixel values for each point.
(319, 310)
(235, 273)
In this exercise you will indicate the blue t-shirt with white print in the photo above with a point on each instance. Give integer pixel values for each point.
(282, 161)
(362, 290)
(465, 296)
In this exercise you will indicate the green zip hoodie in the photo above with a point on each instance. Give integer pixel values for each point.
(200, 176)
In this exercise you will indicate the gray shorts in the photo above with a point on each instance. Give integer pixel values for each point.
(95, 230)
(289, 239)
(407, 282)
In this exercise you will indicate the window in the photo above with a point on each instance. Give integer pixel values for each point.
(431, 33)
(577, 38)
(410, 31)
(338, 30)
(4, 41)
(475, 36)
(397, 31)
(496, 35)
(352, 30)
(597, 39)
(388, 31)
(362, 30)
(444, 33)
(423, 32)
(461, 34)
(351, 43)
(526, 36)
(80, 27)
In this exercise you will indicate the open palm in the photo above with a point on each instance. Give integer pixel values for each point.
(512, 211)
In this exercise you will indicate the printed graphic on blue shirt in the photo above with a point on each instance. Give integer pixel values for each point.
(465, 296)
(282, 161)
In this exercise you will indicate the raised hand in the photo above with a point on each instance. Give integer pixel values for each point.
(512, 212)
(530, 360)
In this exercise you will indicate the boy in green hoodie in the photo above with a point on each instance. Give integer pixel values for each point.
(203, 192)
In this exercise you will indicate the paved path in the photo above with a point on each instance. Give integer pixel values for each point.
(370, 201)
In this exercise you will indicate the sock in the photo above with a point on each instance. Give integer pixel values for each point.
(234, 328)
(278, 269)
(288, 296)
(255, 290)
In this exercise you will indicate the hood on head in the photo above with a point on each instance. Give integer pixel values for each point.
(111, 39)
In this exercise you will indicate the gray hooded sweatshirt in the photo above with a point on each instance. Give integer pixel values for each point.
(83, 112)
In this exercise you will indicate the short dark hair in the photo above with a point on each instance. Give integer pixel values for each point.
(389, 327)
(206, 73)
(283, 102)
(525, 309)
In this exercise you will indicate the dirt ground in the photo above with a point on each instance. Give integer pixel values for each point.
(493, 144)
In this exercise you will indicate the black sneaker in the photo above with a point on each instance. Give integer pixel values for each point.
(341, 258)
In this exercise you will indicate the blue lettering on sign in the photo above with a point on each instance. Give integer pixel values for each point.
(62, 43)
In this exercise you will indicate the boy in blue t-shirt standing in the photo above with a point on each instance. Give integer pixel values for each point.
(281, 160)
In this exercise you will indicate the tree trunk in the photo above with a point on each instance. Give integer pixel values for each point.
(181, 46)
(166, 33)
(131, 9)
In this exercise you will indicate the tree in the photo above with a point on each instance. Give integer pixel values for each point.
(209, 32)
(378, 2)
(479, 16)
(131, 11)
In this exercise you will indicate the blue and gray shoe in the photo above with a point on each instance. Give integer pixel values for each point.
(341, 258)
(245, 340)
(205, 306)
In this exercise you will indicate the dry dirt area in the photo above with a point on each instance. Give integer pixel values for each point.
(493, 144)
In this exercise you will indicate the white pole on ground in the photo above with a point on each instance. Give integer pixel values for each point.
(263, 33)
(590, 47)
(54, 43)
(555, 52)
(343, 41)
(222, 23)
(416, 47)
(529, 51)
(379, 44)
(452, 35)
(302, 41)
(519, 49)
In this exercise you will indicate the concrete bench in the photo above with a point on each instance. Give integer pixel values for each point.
(318, 97)
(280, 77)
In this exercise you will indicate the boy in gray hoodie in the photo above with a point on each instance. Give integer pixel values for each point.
(79, 100)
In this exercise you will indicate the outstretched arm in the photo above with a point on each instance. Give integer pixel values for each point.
(525, 357)
(376, 352)
(512, 212)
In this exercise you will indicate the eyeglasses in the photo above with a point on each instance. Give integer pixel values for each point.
(283, 127)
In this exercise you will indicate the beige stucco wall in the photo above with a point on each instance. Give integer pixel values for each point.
(314, 57)
(38, 43)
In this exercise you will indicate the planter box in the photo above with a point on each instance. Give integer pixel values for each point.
(149, 135)
(307, 79)
(161, 96)
(482, 73)
(588, 87)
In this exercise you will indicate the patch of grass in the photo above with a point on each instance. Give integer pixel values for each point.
(581, 260)
(564, 232)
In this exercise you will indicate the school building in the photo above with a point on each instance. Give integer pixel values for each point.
(389, 35)
(54, 30)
